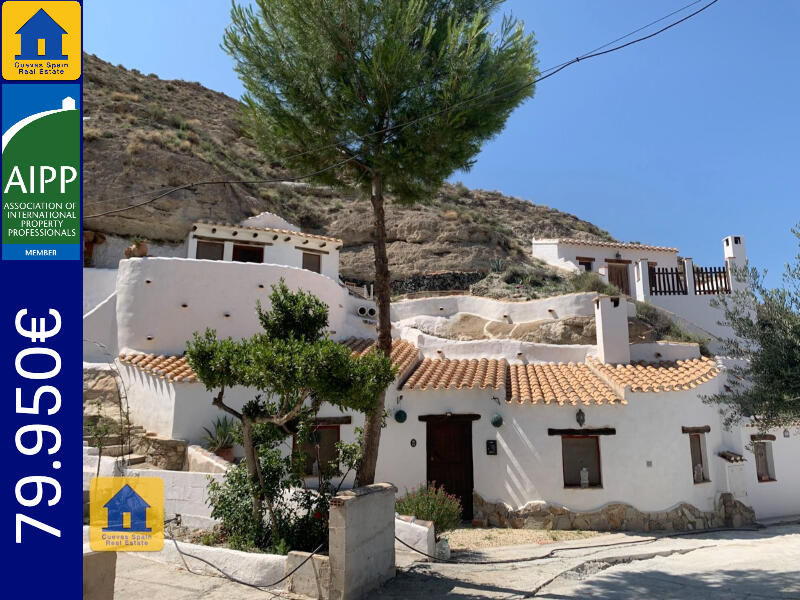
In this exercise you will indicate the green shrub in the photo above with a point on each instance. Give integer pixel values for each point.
(434, 504)
(592, 282)
(667, 329)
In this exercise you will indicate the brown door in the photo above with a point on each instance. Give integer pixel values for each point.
(449, 444)
(618, 276)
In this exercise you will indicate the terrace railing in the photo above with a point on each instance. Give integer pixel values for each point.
(667, 281)
(711, 281)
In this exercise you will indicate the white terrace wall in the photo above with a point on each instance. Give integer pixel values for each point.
(557, 307)
(100, 332)
(161, 302)
(436, 347)
(98, 284)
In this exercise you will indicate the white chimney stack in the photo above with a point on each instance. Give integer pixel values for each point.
(735, 256)
(611, 321)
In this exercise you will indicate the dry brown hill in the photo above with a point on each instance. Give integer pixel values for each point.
(145, 134)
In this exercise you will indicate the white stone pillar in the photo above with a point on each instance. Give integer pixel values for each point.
(227, 251)
(191, 247)
(688, 267)
(642, 273)
(602, 271)
(735, 258)
(611, 321)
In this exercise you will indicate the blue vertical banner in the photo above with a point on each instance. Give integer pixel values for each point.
(40, 310)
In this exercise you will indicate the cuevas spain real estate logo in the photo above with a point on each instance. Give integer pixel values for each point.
(41, 40)
(126, 514)
(41, 172)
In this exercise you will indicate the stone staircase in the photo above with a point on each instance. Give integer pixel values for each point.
(130, 443)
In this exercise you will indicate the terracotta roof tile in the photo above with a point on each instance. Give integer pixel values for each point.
(177, 369)
(731, 457)
(315, 236)
(604, 244)
(171, 368)
(404, 354)
(570, 383)
(458, 374)
(659, 377)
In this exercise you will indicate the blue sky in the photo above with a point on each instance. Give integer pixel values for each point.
(680, 140)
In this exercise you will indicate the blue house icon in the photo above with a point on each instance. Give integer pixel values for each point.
(41, 27)
(127, 501)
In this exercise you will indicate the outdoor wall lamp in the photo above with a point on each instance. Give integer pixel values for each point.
(400, 416)
(497, 420)
(580, 417)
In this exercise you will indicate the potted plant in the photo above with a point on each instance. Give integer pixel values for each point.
(220, 438)
(137, 249)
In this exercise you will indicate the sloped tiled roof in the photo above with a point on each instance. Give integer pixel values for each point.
(458, 374)
(623, 245)
(570, 383)
(404, 354)
(171, 368)
(176, 368)
(315, 236)
(659, 377)
(731, 457)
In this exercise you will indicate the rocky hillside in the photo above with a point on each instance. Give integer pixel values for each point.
(145, 134)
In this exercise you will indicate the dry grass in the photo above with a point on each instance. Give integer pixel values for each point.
(468, 538)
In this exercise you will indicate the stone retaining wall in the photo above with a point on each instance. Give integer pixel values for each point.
(163, 453)
(728, 512)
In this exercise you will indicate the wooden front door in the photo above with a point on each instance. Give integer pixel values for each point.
(449, 443)
(618, 276)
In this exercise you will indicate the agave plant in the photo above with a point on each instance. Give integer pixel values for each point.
(221, 435)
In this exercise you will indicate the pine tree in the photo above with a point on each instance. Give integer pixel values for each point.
(398, 93)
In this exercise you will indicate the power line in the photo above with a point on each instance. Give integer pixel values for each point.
(600, 51)
(622, 37)
(189, 185)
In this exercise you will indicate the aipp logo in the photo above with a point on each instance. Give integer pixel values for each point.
(41, 40)
(126, 514)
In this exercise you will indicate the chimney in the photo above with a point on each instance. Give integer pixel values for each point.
(611, 320)
(735, 256)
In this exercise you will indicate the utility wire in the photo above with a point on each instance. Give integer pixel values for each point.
(263, 588)
(197, 183)
(622, 37)
(600, 51)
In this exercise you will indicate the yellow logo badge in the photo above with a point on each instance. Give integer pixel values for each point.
(126, 514)
(41, 40)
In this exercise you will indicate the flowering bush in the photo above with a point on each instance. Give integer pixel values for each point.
(434, 504)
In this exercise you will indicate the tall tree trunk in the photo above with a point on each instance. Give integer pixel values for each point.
(257, 481)
(372, 424)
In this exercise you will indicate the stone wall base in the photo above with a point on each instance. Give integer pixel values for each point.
(728, 512)
(163, 453)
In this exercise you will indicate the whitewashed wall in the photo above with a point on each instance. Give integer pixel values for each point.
(282, 249)
(528, 465)
(568, 305)
(98, 284)
(211, 290)
(100, 332)
(435, 347)
(564, 256)
(781, 497)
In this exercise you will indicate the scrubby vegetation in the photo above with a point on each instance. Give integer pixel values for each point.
(432, 503)
(666, 329)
